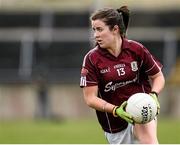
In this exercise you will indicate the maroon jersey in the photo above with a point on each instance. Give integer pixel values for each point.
(118, 78)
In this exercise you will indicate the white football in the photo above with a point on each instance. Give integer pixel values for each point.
(142, 107)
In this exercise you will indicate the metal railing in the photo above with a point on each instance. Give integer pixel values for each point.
(168, 36)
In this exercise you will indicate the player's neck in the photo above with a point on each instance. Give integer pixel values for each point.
(116, 48)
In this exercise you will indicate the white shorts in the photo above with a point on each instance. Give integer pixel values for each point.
(125, 136)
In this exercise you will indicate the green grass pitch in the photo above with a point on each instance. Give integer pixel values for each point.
(72, 132)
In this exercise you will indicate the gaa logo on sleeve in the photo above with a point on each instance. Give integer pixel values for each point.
(134, 66)
(84, 72)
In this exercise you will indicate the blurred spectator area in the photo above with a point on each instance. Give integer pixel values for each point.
(44, 42)
(53, 43)
(48, 43)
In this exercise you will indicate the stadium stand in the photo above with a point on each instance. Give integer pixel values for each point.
(49, 38)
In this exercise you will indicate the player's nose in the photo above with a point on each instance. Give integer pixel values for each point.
(96, 35)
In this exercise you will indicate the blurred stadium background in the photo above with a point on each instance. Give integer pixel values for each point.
(42, 45)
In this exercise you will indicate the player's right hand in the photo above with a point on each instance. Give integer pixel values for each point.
(120, 111)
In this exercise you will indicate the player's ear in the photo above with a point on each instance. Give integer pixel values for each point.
(116, 29)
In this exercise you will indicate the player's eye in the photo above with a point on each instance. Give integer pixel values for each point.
(93, 29)
(99, 29)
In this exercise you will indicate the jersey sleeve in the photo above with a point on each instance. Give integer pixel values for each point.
(88, 73)
(150, 64)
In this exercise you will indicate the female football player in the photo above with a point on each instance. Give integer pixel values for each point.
(113, 71)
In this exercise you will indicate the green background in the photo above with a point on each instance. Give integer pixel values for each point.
(73, 132)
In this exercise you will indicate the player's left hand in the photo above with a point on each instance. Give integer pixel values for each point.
(154, 95)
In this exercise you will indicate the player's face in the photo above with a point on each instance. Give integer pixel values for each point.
(102, 34)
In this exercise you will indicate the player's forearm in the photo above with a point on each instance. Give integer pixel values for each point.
(92, 100)
(158, 82)
(99, 104)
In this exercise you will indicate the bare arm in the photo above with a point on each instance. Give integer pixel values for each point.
(92, 100)
(158, 82)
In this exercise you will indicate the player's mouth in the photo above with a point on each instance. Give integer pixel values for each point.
(99, 42)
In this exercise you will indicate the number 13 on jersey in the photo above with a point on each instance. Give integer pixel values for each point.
(120, 71)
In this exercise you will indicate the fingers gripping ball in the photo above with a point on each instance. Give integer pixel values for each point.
(119, 111)
(142, 107)
(154, 95)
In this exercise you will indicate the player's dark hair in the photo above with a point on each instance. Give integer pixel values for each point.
(112, 17)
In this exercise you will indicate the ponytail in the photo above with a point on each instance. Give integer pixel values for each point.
(124, 13)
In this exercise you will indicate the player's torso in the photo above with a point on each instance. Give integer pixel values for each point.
(118, 79)
(117, 72)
